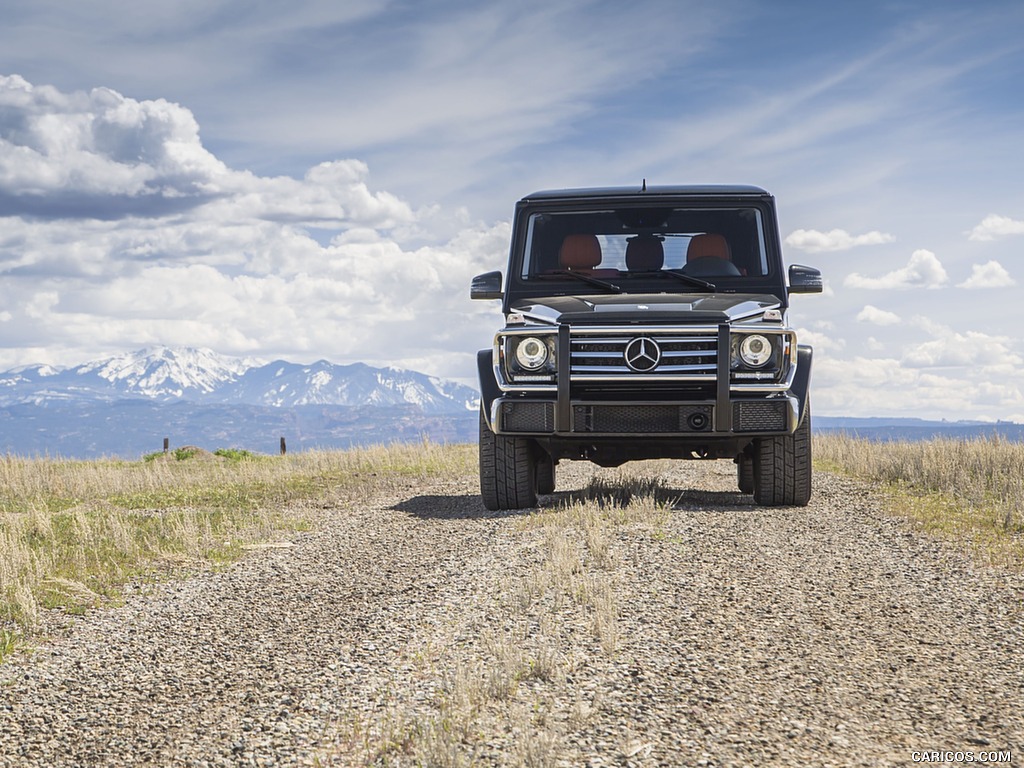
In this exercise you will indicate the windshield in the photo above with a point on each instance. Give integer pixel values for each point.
(717, 245)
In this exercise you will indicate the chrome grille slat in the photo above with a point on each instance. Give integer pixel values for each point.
(624, 369)
(685, 353)
(684, 357)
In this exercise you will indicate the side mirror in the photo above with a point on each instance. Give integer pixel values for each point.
(804, 279)
(486, 286)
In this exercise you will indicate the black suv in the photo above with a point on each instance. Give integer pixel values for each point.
(645, 323)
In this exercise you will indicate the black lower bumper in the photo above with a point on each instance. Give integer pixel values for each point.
(538, 417)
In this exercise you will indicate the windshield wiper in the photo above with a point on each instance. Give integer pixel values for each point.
(590, 280)
(689, 279)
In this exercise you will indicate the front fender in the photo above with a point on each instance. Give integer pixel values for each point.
(802, 380)
(489, 390)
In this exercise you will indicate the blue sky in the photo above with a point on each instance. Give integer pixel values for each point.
(321, 180)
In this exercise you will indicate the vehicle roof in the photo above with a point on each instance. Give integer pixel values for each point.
(675, 190)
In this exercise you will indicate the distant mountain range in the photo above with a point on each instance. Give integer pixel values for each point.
(913, 430)
(125, 405)
(166, 374)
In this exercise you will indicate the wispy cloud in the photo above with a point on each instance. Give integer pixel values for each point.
(834, 240)
(877, 316)
(952, 348)
(923, 271)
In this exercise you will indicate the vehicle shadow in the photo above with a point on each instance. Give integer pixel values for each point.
(470, 506)
(455, 507)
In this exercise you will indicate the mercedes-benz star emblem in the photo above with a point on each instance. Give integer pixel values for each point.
(642, 354)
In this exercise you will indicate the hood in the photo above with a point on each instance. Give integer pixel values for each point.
(648, 308)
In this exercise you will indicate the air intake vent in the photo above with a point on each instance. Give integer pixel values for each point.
(758, 416)
(641, 419)
(527, 417)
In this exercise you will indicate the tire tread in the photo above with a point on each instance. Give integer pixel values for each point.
(507, 470)
(782, 467)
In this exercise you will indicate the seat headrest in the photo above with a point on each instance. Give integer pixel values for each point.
(645, 254)
(580, 252)
(708, 246)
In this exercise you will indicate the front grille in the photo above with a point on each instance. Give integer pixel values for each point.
(528, 417)
(641, 419)
(759, 416)
(683, 356)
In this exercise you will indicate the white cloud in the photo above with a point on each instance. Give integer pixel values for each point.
(258, 288)
(219, 258)
(820, 340)
(923, 271)
(104, 155)
(924, 368)
(877, 316)
(834, 240)
(972, 350)
(886, 386)
(99, 142)
(990, 275)
(994, 225)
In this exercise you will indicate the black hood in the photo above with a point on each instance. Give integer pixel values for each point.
(646, 308)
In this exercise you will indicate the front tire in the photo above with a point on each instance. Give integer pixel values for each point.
(782, 467)
(508, 470)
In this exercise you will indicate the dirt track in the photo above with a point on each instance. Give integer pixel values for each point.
(421, 629)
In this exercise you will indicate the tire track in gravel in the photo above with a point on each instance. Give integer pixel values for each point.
(829, 635)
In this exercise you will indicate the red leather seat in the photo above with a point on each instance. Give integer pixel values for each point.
(708, 255)
(709, 246)
(581, 253)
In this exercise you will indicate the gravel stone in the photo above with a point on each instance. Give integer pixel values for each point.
(831, 635)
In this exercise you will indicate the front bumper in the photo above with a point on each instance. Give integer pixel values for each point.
(588, 418)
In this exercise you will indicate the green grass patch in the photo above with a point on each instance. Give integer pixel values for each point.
(236, 454)
(9, 642)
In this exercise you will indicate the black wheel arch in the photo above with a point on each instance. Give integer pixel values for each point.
(802, 381)
(489, 390)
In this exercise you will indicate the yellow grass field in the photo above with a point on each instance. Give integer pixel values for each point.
(73, 532)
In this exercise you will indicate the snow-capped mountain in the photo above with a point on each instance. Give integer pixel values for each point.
(162, 373)
(173, 374)
(284, 384)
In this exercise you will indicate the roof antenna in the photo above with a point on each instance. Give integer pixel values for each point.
(644, 187)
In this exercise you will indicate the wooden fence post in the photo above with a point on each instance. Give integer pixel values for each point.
(167, 445)
(284, 448)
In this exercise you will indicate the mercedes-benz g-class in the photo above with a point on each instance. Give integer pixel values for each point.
(645, 323)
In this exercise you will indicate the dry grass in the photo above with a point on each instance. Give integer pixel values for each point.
(516, 676)
(73, 532)
(969, 491)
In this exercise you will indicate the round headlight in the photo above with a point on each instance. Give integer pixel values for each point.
(755, 350)
(531, 353)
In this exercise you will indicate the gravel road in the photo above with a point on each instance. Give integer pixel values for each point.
(828, 636)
